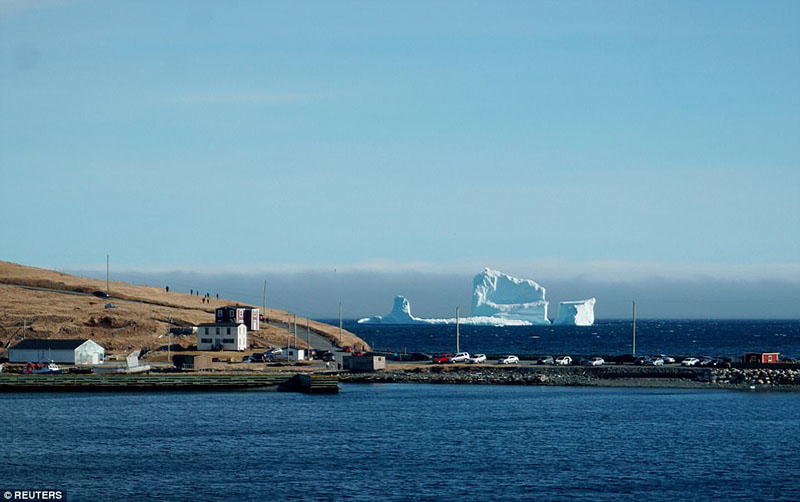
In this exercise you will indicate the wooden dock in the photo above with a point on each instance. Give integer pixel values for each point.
(313, 384)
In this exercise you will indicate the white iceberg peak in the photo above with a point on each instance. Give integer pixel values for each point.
(497, 294)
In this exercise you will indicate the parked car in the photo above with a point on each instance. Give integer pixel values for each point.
(690, 361)
(721, 362)
(545, 360)
(642, 360)
(328, 356)
(666, 359)
(420, 356)
(248, 359)
(625, 358)
(461, 357)
(788, 360)
(101, 294)
(442, 358)
(564, 361)
(259, 357)
(579, 361)
(594, 361)
(477, 359)
(509, 360)
(654, 362)
(705, 361)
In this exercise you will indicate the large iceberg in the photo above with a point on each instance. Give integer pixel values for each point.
(577, 313)
(401, 314)
(496, 294)
(499, 300)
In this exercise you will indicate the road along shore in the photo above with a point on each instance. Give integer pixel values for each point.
(612, 376)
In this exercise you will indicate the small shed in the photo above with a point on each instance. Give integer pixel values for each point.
(367, 362)
(188, 362)
(293, 354)
(78, 351)
(760, 358)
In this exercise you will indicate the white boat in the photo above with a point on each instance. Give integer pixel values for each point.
(119, 368)
(50, 369)
(131, 365)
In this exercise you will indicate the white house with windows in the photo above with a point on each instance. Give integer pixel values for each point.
(222, 336)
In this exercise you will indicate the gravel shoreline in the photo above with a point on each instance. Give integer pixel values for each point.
(610, 376)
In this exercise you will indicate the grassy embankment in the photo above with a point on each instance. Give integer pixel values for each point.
(141, 321)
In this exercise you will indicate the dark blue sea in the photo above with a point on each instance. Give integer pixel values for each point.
(405, 442)
(675, 337)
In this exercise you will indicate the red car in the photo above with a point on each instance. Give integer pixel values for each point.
(442, 358)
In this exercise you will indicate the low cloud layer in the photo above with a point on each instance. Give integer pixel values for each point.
(317, 293)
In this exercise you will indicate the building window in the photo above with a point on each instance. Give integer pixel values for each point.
(229, 331)
(217, 330)
(228, 340)
(205, 340)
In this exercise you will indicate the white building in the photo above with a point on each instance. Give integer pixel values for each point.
(293, 354)
(223, 336)
(79, 351)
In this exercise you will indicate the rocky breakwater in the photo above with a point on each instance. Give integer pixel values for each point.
(784, 378)
(537, 375)
(610, 375)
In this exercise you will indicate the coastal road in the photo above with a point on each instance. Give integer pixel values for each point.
(318, 341)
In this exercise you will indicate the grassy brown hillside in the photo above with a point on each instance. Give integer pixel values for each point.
(65, 308)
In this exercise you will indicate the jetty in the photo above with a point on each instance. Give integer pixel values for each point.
(291, 382)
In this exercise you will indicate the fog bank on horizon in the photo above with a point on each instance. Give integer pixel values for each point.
(317, 294)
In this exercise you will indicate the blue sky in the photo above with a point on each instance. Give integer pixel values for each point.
(395, 135)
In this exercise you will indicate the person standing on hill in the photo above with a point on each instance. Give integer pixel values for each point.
(167, 288)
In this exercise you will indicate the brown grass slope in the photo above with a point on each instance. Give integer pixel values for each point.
(141, 321)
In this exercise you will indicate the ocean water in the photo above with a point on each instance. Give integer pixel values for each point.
(676, 337)
(405, 442)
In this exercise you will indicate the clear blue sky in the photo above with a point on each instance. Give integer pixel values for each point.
(322, 134)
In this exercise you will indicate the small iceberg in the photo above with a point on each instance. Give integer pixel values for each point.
(577, 313)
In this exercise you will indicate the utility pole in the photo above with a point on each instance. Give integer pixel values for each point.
(108, 290)
(458, 334)
(340, 324)
(169, 342)
(265, 299)
(634, 329)
(308, 335)
(294, 319)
